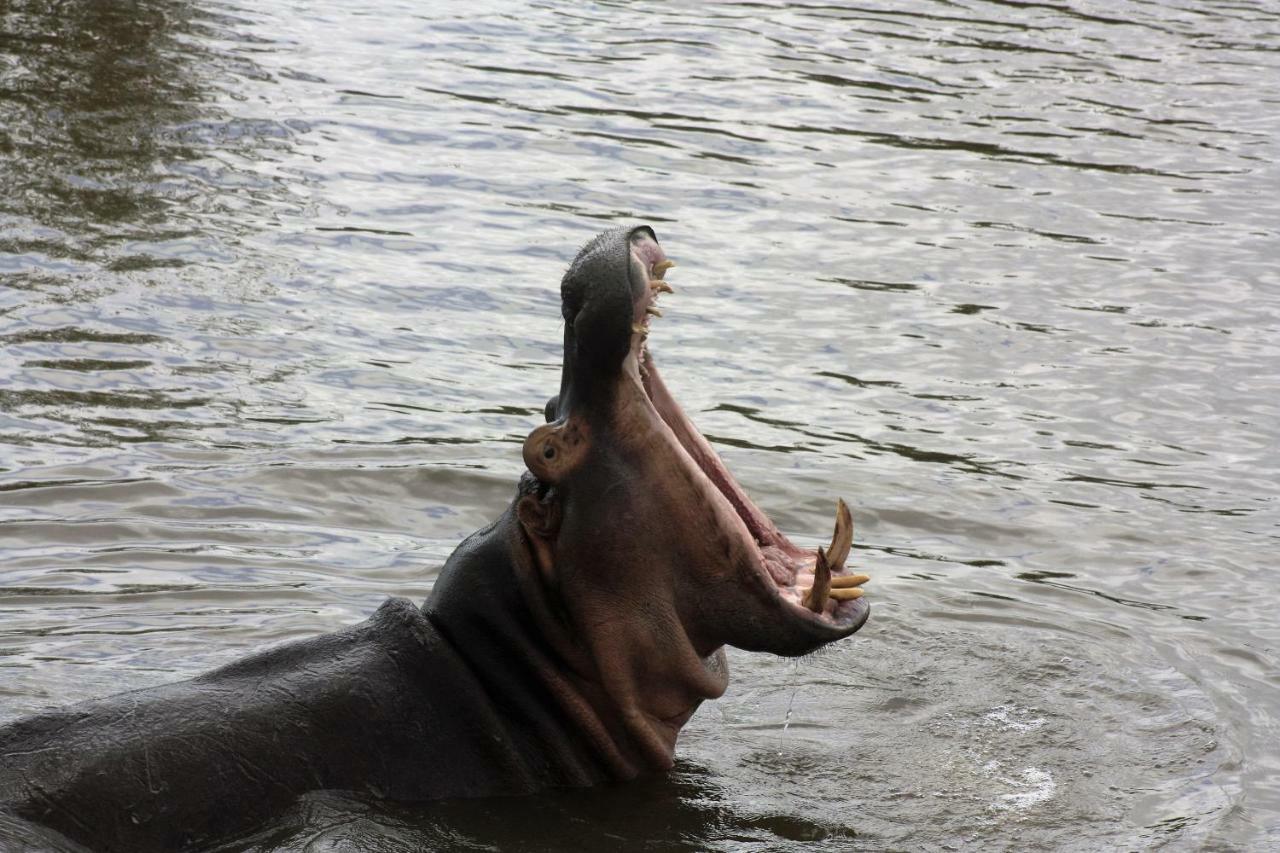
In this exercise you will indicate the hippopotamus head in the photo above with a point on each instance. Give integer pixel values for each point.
(634, 555)
(635, 517)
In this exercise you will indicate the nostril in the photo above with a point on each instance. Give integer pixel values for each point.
(548, 452)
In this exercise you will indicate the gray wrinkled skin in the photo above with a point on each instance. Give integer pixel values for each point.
(385, 707)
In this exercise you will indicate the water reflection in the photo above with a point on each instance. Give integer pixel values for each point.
(95, 95)
(126, 181)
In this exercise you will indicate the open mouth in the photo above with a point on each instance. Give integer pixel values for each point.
(813, 584)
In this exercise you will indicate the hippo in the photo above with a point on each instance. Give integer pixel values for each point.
(565, 644)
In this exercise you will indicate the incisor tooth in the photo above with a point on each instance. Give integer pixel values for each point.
(639, 329)
(661, 286)
(849, 580)
(649, 309)
(661, 267)
(847, 594)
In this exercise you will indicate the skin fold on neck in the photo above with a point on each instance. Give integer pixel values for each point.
(623, 676)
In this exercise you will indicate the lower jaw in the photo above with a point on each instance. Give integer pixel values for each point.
(789, 568)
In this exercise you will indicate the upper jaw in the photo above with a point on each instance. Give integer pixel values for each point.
(814, 600)
(646, 269)
(598, 301)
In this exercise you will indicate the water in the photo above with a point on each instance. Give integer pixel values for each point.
(279, 304)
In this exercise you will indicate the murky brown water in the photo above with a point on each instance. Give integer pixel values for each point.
(279, 303)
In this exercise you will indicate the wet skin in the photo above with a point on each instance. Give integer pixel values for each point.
(564, 644)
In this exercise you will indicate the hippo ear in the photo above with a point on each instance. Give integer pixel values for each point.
(540, 518)
(554, 451)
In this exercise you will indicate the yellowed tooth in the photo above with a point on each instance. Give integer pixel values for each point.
(649, 309)
(661, 286)
(842, 538)
(847, 581)
(847, 594)
(816, 597)
(661, 267)
(639, 329)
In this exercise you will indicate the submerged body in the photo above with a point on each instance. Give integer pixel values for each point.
(392, 707)
(386, 703)
(565, 644)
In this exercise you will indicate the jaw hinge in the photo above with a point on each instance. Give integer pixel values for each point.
(539, 515)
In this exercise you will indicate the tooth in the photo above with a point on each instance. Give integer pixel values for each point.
(846, 594)
(649, 309)
(816, 597)
(661, 286)
(639, 329)
(849, 580)
(661, 267)
(842, 538)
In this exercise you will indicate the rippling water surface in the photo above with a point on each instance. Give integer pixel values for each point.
(279, 304)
